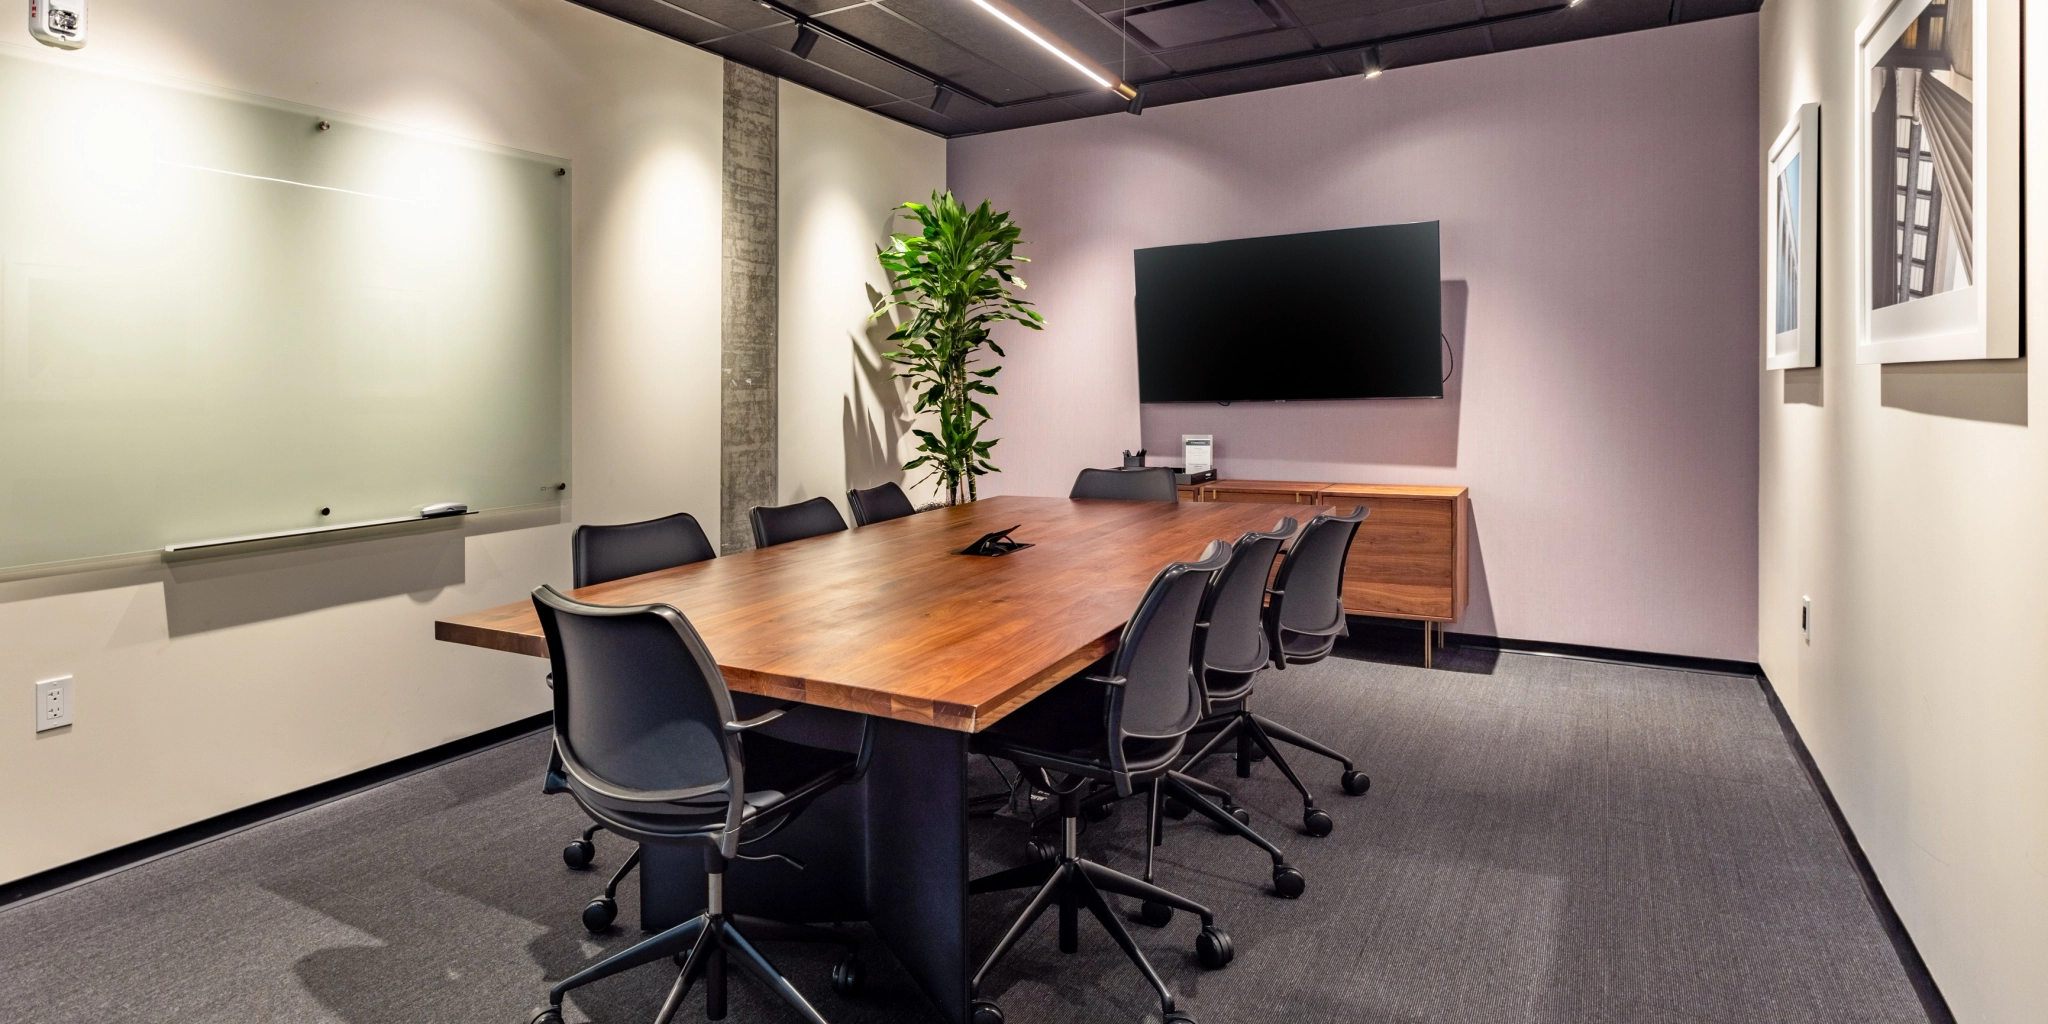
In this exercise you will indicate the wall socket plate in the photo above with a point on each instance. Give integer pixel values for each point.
(1806, 618)
(53, 703)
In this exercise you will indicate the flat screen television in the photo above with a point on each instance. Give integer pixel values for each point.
(1353, 313)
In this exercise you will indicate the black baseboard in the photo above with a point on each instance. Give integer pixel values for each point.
(1368, 625)
(1931, 999)
(199, 832)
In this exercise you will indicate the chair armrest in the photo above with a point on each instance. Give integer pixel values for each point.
(762, 719)
(1106, 680)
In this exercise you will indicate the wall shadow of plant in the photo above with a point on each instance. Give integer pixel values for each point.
(875, 414)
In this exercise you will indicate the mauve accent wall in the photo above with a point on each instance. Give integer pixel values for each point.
(1598, 201)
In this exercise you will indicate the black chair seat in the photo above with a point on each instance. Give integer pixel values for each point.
(1303, 648)
(1042, 733)
(781, 777)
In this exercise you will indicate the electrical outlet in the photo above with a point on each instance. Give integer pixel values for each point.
(53, 703)
(1806, 618)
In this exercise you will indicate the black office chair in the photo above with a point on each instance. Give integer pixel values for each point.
(653, 751)
(1156, 483)
(780, 524)
(878, 504)
(1302, 619)
(603, 554)
(1126, 726)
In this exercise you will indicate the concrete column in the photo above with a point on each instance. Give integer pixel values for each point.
(747, 412)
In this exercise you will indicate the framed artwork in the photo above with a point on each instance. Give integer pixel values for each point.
(1939, 138)
(1792, 245)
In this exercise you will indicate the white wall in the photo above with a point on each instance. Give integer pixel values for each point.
(221, 685)
(1908, 501)
(844, 417)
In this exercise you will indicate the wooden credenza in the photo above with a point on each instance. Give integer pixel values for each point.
(1408, 561)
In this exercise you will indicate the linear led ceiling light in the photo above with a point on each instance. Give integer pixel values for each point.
(1035, 32)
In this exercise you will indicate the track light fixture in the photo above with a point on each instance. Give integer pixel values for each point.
(1373, 67)
(940, 98)
(1035, 32)
(1137, 104)
(806, 38)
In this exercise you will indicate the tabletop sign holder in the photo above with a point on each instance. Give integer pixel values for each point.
(994, 545)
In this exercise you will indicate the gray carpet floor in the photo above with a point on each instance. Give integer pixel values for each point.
(1545, 841)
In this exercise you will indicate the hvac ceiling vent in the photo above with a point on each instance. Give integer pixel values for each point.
(1200, 21)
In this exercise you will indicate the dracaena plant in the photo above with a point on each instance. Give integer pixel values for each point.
(956, 280)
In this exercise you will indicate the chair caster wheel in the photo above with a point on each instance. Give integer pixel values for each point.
(599, 914)
(1099, 812)
(1174, 809)
(1288, 883)
(579, 854)
(984, 1012)
(1213, 949)
(1040, 850)
(1356, 782)
(548, 1015)
(1177, 1017)
(1317, 822)
(1157, 915)
(849, 975)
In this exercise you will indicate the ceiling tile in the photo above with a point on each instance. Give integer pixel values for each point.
(659, 17)
(1203, 21)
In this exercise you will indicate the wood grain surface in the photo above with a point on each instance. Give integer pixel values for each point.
(888, 620)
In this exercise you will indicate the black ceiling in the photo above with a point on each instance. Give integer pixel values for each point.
(951, 68)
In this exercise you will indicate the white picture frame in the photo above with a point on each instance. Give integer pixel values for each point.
(1933, 283)
(1792, 244)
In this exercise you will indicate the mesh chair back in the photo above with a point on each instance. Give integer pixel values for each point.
(780, 524)
(1156, 657)
(879, 504)
(1235, 609)
(1310, 588)
(640, 706)
(607, 553)
(1153, 484)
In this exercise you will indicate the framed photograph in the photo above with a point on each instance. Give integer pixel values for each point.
(1939, 139)
(1792, 245)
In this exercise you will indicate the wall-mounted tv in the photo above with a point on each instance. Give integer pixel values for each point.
(1353, 313)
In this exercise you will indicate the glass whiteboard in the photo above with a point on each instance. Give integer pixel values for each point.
(219, 316)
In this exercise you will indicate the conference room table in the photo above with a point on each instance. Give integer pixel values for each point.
(891, 621)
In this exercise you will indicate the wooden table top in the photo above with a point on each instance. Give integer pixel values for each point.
(888, 620)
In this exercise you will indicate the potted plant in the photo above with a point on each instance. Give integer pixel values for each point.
(955, 278)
